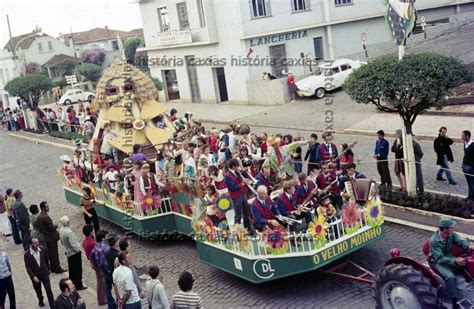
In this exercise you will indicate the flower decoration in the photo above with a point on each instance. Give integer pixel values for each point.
(276, 239)
(240, 234)
(317, 230)
(351, 217)
(61, 175)
(93, 190)
(224, 203)
(118, 200)
(69, 182)
(373, 212)
(150, 202)
(224, 232)
(78, 181)
(209, 231)
(106, 192)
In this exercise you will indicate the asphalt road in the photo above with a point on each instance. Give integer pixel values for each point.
(32, 168)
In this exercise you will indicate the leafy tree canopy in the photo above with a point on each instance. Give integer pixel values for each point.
(410, 86)
(130, 46)
(91, 72)
(30, 88)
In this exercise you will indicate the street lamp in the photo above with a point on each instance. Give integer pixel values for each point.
(15, 58)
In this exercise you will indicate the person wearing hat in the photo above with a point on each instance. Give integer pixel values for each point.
(67, 169)
(89, 128)
(381, 155)
(441, 257)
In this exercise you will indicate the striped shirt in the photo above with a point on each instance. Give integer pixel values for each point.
(186, 300)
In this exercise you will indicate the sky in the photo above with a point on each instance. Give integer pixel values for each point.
(59, 16)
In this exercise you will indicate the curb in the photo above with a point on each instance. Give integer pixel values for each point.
(429, 214)
(40, 141)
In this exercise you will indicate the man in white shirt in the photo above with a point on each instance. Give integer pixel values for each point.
(106, 147)
(125, 289)
(109, 177)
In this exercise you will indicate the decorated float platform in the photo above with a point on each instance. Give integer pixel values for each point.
(265, 256)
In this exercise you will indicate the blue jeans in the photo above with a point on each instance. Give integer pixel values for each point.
(469, 179)
(445, 168)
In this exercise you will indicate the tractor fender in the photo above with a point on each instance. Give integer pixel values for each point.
(425, 268)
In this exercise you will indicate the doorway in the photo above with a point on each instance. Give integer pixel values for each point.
(219, 74)
(172, 88)
(193, 79)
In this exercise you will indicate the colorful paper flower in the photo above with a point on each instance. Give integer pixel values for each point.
(241, 239)
(317, 230)
(209, 231)
(93, 190)
(373, 212)
(224, 203)
(150, 202)
(224, 232)
(276, 239)
(350, 215)
(78, 181)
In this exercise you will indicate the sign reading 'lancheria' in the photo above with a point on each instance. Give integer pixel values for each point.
(279, 38)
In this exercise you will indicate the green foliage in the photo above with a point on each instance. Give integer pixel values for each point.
(91, 72)
(410, 86)
(67, 135)
(60, 82)
(158, 83)
(30, 88)
(130, 47)
(65, 68)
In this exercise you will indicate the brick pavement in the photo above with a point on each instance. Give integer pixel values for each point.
(33, 168)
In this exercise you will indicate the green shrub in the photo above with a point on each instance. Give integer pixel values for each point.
(67, 135)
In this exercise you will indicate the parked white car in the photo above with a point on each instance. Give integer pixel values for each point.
(75, 95)
(327, 77)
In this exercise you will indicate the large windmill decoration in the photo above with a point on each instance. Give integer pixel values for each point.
(400, 18)
(127, 99)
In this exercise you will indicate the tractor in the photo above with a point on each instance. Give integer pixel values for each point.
(407, 283)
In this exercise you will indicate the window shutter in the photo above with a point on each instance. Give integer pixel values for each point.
(318, 48)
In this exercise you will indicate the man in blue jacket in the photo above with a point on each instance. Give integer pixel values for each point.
(381, 155)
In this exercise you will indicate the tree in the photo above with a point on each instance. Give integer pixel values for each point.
(158, 83)
(60, 82)
(65, 68)
(407, 87)
(91, 72)
(130, 47)
(94, 56)
(30, 88)
(32, 68)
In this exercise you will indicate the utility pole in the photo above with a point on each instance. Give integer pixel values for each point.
(75, 54)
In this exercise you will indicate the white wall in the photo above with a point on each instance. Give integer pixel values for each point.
(32, 54)
(8, 72)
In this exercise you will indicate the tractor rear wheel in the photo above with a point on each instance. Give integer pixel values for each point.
(402, 286)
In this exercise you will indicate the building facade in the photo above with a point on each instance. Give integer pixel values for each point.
(212, 51)
(8, 71)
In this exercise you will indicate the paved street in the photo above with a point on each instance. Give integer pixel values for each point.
(33, 169)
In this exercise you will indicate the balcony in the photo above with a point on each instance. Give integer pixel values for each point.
(174, 37)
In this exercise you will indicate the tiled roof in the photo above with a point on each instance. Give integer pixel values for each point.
(99, 34)
(57, 59)
(25, 41)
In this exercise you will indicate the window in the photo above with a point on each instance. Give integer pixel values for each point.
(299, 5)
(202, 17)
(115, 45)
(277, 57)
(50, 45)
(318, 48)
(183, 15)
(345, 67)
(128, 87)
(343, 2)
(163, 19)
(40, 47)
(78, 92)
(111, 91)
(260, 8)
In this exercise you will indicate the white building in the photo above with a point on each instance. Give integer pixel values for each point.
(104, 38)
(222, 36)
(8, 72)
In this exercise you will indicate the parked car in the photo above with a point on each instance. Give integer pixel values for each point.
(327, 77)
(75, 95)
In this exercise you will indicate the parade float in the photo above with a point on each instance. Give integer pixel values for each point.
(126, 99)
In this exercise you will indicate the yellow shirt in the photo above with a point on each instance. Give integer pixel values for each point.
(9, 205)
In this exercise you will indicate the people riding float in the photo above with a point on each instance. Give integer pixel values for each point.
(352, 174)
(238, 192)
(109, 177)
(281, 156)
(441, 257)
(264, 211)
(216, 176)
(149, 183)
(327, 151)
(327, 181)
(306, 190)
(287, 203)
(327, 210)
(263, 178)
(212, 211)
(79, 165)
(107, 148)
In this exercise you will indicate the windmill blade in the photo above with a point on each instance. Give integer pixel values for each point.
(117, 113)
(151, 109)
(127, 138)
(157, 136)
